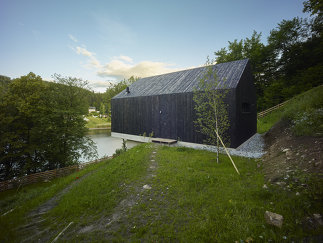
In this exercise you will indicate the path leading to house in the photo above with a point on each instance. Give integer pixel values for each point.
(120, 219)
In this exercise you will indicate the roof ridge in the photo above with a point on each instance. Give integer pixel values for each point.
(184, 81)
(189, 69)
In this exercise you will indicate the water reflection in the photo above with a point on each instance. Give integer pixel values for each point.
(107, 145)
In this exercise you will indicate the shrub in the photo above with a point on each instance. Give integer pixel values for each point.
(121, 150)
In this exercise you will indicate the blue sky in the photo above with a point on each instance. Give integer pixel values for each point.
(103, 41)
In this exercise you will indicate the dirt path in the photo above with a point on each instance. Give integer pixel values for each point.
(34, 230)
(119, 219)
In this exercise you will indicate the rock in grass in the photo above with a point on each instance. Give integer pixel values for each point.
(147, 187)
(318, 218)
(274, 219)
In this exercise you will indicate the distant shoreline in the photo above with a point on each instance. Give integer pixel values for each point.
(99, 128)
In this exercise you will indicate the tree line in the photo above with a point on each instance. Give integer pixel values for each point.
(290, 63)
(102, 101)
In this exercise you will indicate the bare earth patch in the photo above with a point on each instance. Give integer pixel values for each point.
(287, 154)
(292, 163)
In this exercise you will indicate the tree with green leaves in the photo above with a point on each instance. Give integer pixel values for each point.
(102, 109)
(290, 63)
(42, 125)
(70, 108)
(298, 49)
(210, 107)
(20, 108)
(250, 48)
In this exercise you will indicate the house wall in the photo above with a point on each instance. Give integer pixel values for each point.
(167, 116)
(246, 121)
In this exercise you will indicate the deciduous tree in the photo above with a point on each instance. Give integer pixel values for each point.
(210, 107)
(42, 126)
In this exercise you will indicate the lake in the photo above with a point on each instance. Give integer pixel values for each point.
(106, 145)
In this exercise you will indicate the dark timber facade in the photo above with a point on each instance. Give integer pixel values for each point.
(164, 104)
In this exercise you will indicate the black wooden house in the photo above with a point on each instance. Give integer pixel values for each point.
(164, 104)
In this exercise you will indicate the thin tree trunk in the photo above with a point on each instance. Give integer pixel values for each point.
(216, 128)
(217, 140)
(234, 165)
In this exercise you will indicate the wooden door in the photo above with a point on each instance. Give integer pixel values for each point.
(164, 117)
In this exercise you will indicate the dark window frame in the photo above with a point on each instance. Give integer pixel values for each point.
(246, 108)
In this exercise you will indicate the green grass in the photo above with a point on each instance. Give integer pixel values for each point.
(209, 202)
(304, 112)
(265, 123)
(100, 192)
(193, 199)
(25, 199)
(96, 122)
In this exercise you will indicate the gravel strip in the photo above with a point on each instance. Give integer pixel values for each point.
(252, 148)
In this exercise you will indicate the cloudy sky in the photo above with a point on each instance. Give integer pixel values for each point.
(107, 41)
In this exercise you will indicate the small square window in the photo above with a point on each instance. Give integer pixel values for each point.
(246, 107)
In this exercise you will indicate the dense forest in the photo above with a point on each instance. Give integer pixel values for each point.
(290, 63)
(42, 125)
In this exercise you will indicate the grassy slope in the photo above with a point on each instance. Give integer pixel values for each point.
(209, 202)
(304, 111)
(96, 194)
(203, 201)
(29, 197)
(96, 122)
(192, 199)
(101, 191)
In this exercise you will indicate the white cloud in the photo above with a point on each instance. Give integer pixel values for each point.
(93, 62)
(73, 38)
(84, 52)
(120, 69)
(126, 58)
(122, 66)
(101, 84)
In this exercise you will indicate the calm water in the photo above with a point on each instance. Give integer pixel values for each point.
(107, 145)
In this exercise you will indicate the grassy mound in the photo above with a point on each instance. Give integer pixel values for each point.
(304, 112)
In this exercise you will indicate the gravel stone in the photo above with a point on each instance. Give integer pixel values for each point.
(252, 148)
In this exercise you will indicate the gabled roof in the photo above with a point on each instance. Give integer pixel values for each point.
(185, 81)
